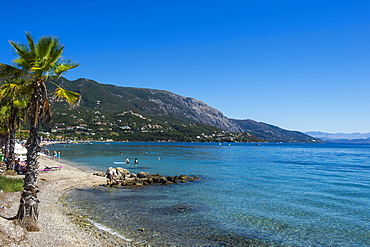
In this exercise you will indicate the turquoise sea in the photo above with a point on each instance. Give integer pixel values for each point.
(261, 195)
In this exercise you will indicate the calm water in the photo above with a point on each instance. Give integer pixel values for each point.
(272, 194)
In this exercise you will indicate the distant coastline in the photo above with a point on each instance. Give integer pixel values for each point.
(355, 138)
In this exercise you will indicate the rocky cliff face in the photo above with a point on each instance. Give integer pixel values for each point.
(196, 110)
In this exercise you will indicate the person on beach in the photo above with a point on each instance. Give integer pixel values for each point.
(55, 155)
(58, 155)
(18, 166)
(136, 161)
(127, 160)
(111, 174)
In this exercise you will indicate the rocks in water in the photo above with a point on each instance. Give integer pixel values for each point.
(143, 174)
(125, 178)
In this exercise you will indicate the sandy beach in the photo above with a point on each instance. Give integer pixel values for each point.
(60, 226)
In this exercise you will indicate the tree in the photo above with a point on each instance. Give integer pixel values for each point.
(14, 98)
(39, 63)
(4, 137)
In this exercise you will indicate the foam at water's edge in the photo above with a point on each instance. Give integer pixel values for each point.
(104, 228)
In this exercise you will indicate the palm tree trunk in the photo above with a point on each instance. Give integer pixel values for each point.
(12, 128)
(11, 155)
(2, 142)
(6, 148)
(28, 209)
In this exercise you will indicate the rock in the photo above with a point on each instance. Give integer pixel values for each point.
(101, 174)
(125, 178)
(130, 180)
(12, 231)
(143, 175)
(122, 171)
(163, 180)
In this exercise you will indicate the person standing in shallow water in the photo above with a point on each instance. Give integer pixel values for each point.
(136, 161)
(127, 160)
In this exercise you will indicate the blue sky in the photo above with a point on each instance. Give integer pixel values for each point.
(298, 64)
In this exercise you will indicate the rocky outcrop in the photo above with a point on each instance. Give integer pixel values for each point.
(125, 178)
(193, 109)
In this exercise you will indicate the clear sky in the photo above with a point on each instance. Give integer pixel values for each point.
(298, 64)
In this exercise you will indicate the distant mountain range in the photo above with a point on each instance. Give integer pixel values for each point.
(168, 107)
(341, 137)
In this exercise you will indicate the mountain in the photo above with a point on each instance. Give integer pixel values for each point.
(159, 104)
(331, 136)
(341, 137)
(273, 133)
(164, 109)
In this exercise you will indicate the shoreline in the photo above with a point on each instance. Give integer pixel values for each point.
(59, 224)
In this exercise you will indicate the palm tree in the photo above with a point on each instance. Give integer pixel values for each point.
(4, 137)
(37, 62)
(14, 98)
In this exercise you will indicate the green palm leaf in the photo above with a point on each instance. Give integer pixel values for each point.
(72, 98)
(8, 71)
(64, 66)
(20, 104)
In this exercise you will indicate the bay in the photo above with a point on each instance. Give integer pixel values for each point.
(262, 195)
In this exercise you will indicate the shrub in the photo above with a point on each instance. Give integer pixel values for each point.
(11, 184)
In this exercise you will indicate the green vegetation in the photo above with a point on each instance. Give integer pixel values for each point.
(11, 184)
(88, 124)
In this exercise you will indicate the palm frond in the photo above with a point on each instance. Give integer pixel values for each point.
(3, 111)
(72, 98)
(16, 89)
(64, 67)
(31, 43)
(8, 89)
(20, 104)
(8, 71)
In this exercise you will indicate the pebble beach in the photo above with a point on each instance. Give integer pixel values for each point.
(59, 225)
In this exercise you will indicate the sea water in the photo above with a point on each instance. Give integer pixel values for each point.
(261, 195)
